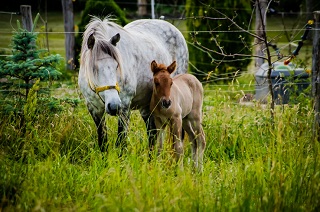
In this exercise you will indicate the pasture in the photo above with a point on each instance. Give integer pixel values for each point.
(250, 163)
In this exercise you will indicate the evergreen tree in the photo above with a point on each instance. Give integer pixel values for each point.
(27, 63)
(205, 41)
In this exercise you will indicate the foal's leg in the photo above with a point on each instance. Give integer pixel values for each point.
(160, 126)
(123, 124)
(197, 137)
(201, 144)
(176, 126)
(192, 137)
(151, 127)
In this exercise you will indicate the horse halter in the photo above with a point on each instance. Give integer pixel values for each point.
(99, 89)
(107, 87)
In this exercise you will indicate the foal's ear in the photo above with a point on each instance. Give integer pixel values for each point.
(91, 41)
(115, 39)
(154, 65)
(172, 67)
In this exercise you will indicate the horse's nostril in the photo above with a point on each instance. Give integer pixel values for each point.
(166, 103)
(169, 103)
(113, 109)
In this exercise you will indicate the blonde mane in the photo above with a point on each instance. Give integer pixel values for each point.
(102, 30)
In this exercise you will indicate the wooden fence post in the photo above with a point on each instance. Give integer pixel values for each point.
(316, 74)
(67, 8)
(26, 14)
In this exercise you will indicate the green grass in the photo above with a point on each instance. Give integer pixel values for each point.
(8, 24)
(251, 163)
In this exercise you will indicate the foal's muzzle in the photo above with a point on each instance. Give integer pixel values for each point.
(165, 103)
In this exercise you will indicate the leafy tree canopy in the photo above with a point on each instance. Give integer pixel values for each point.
(211, 34)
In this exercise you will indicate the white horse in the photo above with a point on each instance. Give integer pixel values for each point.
(114, 74)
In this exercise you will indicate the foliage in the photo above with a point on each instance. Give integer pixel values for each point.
(26, 64)
(205, 43)
(101, 8)
(26, 79)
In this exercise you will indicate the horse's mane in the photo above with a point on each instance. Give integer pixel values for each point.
(102, 30)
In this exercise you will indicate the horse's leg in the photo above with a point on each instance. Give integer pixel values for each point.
(160, 127)
(176, 126)
(123, 124)
(196, 135)
(192, 137)
(201, 145)
(99, 119)
(151, 128)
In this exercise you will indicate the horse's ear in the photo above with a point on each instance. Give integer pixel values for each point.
(115, 39)
(90, 41)
(154, 66)
(172, 67)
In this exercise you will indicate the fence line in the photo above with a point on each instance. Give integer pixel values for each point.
(218, 87)
(186, 31)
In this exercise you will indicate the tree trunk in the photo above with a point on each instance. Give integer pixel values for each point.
(316, 75)
(309, 10)
(67, 8)
(26, 17)
(260, 25)
(142, 8)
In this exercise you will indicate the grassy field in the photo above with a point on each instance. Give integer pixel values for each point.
(55, 27)
(252, 163)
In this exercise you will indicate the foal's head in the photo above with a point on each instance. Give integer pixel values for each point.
(162, 82)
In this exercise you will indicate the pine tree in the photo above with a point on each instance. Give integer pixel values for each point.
(26, 64)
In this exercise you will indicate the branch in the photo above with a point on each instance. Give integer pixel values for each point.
(235, 24)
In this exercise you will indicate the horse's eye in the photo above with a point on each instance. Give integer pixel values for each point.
(171, 83)
(157, 84)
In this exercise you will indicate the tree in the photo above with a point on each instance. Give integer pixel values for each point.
(211, 35)
(67, 8)
(142, 8)
(260, 28)
(26, 64)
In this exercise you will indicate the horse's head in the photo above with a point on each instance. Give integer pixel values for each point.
(162, 82)
(103, 71)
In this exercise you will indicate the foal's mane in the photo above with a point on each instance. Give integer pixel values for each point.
(102, 30)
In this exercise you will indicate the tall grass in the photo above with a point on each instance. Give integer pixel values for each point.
(250, 163)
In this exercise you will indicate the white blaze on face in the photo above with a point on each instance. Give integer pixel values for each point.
(107, 76)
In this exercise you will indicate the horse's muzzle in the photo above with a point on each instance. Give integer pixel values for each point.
(165, 103)
(113, 109)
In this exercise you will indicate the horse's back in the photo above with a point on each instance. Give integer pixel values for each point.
(166, 39)
(188, 81)
(188, 89)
